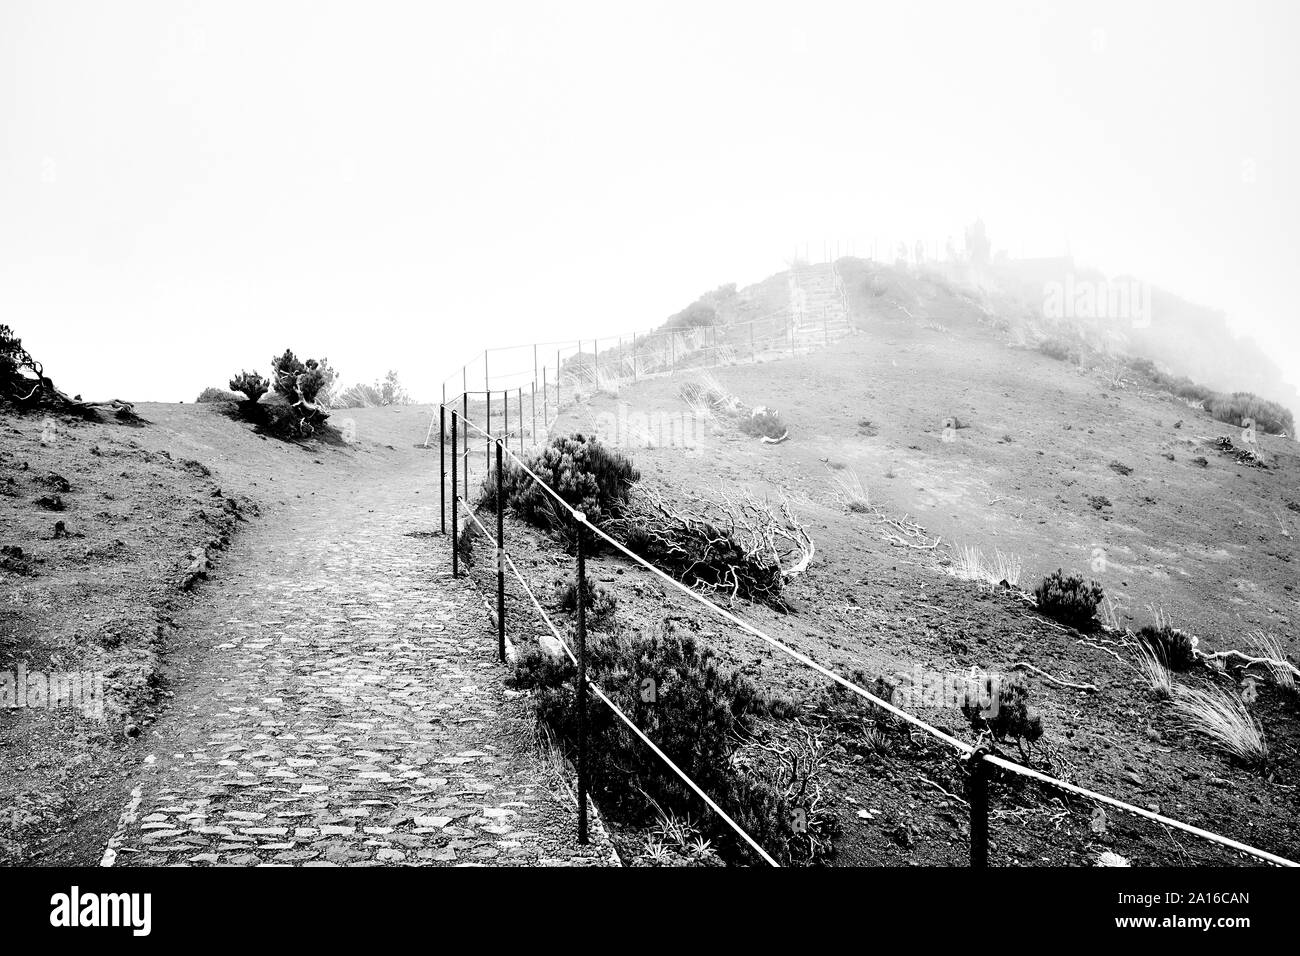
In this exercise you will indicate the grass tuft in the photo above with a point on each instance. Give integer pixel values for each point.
(1222, 718)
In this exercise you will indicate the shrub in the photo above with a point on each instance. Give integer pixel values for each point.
(587, 475)
(1069, 599)
(600, 601)
(1061, 350)
(10, 349)
(218, 395)
(534, 668)
(1234, 409)
(765, 422)
(1192, 391)
(1172, 647)
(251, 384)
(301, 384)
(361, 395)
(693, 316)
(692, 707)
(1010, 715)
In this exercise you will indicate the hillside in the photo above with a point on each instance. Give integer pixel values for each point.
(964, 436)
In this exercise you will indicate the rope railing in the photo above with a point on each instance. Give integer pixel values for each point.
(978, 756)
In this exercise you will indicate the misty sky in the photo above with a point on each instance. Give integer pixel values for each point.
(186, 188)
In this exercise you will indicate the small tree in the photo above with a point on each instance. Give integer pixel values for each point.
(10, 348)
(251, 384)
(392, 391)
(300, 384)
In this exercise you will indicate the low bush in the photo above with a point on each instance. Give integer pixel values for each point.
(1172, 647)
(586, 474)
(1061, 350)
(1069, 600)
(1236, 408)
(600, 601)
(218, 395)
(694, 709)
(764, 422)
(694, 316)
(1009, 716)
(1185, 388)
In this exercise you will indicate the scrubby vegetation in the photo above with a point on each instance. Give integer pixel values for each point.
(585, 473)
(301, 389)
(211, 394)
(1061, 350)
(1069, 599)
(1174, 648)
(600, 601)
(1234, 409)
(1009, 717)
(387, 392)
(1154, 671)
(1221, 717)
(737, 549)
(1242, 407)
(700, 714)
(251, 384)
(764, 422)
(24, 384)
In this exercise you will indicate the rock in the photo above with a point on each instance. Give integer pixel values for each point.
(551, 645)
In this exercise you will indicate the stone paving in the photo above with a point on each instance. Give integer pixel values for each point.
(348, 709)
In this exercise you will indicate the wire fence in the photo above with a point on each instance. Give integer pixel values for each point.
(813, 313)
(979, 758)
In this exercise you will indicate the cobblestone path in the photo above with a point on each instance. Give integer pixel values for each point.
(347, 708)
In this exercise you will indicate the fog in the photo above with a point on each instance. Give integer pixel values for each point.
(187, 189)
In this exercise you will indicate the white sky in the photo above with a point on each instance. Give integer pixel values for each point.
(186, 188)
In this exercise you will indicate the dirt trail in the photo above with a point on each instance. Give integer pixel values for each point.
(337, 699)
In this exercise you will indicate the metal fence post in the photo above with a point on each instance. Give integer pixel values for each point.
(501, 561)
(455, 511)
(634, 356)
(581, 521)
(557, 383)
(534, 404)
(464, 424)
(978, 794)
(487, 442)
(521, 419)
(753, 354)
(442, 465)
(546, 415)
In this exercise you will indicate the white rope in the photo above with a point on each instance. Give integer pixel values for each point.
(952, 741)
